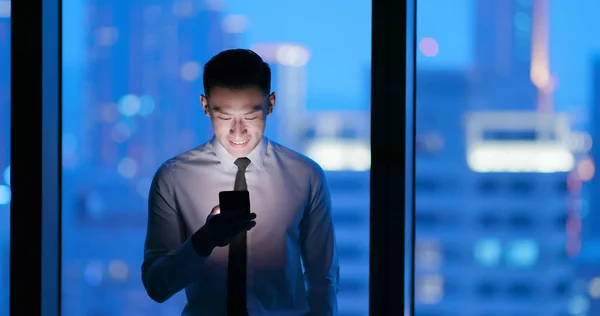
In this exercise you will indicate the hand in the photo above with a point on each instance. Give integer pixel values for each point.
(220, 229)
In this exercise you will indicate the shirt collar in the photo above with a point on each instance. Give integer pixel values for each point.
(256, 156)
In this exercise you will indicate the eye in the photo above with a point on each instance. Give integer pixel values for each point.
(224, 118)
(252, 118)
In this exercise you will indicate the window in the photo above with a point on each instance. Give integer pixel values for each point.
(136, 69)
(488, 186)
(486, 290)
(489, 220)
(521, 187)
(517, 103)
(521, 221)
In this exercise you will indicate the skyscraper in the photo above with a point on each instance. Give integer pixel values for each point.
(143, 72)
(440, 182)
(592, 220)
(490, 224)
(588, 263)
(503, 54)
(289, 62)
(104, 73)
(145, 66)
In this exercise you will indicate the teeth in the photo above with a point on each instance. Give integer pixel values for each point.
(240, 143)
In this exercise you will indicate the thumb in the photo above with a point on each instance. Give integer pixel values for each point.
(216, 210)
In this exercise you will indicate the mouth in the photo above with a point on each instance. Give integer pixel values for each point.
(239, 143)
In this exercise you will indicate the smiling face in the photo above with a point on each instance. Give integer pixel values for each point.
(238, 117)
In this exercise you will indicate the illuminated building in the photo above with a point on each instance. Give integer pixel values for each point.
(290, 61)
(143, 70)
(234, 26)
(143, 103)
(587, 295)
(503, 51)
(339, 142)
(592, 219)
(491, 213)
(483, 206)
(350, 200)
(100, 108)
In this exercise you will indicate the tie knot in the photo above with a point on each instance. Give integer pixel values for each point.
(242, 163)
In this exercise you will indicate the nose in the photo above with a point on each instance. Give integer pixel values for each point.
(238, 127)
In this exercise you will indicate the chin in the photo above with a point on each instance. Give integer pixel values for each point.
(239, 153)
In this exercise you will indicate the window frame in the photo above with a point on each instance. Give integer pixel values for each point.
(392, 157)
(36, 171)
(35, 232)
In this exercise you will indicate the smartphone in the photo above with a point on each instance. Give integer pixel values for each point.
(234, 201)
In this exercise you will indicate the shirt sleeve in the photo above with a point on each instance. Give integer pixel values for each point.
(170, 260)
(318, 249)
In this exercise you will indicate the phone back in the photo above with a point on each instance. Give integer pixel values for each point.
(230, 201)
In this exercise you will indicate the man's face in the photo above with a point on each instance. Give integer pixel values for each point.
(238, 117)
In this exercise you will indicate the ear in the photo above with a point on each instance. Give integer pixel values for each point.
(272, 99)
(204, 102)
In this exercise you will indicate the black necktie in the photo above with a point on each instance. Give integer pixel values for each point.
(236, 269)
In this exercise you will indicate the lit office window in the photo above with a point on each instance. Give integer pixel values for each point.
(522, 253)
(488, 252)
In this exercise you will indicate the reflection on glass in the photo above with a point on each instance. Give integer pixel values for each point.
(5, 193)
(132, 72)
(506, 120)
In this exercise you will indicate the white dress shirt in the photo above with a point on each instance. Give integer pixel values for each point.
(292, 261)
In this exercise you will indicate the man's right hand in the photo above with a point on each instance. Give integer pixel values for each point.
(221, 228)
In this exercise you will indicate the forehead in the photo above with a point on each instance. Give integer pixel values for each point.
(236, 98)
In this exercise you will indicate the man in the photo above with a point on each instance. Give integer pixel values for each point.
(189, 243)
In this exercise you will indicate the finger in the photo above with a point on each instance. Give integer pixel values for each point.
(231, 217)
(247, 218)
(240, 227)
(216, 210)
(237, 224)
(236, 216)
(235, 211)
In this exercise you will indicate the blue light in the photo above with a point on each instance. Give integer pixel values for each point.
(69, 143)
(522, 21)
(525, 3)
(6, 175)
(487, 251)
(95, 204)
(585, 208)
(146, 105)
(143, 186)
(5, 194)
(522, 253)
(129, 105)
(93, 275)
(578, 305)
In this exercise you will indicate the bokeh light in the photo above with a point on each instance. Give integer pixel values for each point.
(429, 47)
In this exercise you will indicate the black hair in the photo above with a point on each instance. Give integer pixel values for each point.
(235, 69)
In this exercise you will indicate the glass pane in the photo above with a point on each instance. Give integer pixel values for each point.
(133, 77)
(4, 155)
(507, 107)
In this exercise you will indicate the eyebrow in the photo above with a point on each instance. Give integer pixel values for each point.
(255, 109)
